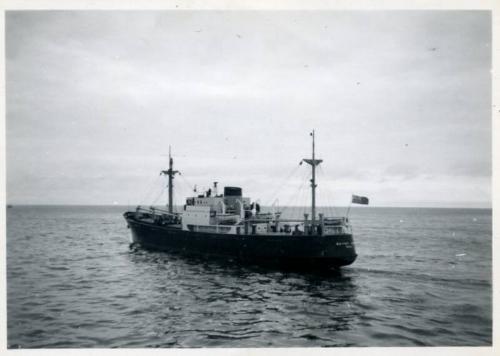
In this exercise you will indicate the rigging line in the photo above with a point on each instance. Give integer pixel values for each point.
(186, 188)
(151, 194)
(304, 196)
(322, 189)
(152, 185)
(280, 186)
(329, 195)
(292, 199)
(326, 192)
(186, 185)
(282, 183)
(178, 194)
(285, 207)
(186, 181)
(331, 205)
(159, 196)
(298, 202)
(295, 204)
(302, 205)
(303, 192)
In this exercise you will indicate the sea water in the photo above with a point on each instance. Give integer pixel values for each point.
(422, 278)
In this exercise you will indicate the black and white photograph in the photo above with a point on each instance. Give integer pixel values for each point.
(230, 177)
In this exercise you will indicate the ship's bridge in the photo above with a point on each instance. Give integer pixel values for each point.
(213, 209)
(231, 202)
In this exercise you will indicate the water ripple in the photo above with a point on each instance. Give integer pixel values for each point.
(73, 281)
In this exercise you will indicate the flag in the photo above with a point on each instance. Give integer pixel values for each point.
(356, 199)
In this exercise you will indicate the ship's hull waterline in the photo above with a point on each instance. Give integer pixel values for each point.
(302, 251)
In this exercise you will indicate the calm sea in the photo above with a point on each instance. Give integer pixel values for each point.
(422, 277)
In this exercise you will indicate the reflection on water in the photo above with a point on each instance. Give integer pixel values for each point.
(245, 305)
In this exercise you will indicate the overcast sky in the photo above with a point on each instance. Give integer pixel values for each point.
(400, 101)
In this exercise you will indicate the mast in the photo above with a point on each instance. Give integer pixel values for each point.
(170, 173)
(313, 162)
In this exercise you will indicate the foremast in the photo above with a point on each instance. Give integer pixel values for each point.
(170, 173)
(313, 162)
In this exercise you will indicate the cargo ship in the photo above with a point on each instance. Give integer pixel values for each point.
(229, 226)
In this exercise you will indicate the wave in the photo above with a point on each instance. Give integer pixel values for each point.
(423, 277)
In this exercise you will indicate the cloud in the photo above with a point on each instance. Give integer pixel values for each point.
(97, 97)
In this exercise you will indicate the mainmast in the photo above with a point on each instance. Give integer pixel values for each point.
(170, 173)
(313, 162)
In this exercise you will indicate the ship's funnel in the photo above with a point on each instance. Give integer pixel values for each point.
(232, 192)
(231, 196)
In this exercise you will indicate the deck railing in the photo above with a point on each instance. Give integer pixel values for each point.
(335, 225)
(155, 211)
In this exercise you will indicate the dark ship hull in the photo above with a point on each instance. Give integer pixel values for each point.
(302, 251)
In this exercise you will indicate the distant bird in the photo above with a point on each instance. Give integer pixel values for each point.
(406, 145)
(358, 83)
(433, 49)
(238, 35)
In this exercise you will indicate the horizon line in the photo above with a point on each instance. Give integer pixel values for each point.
(490, 206)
